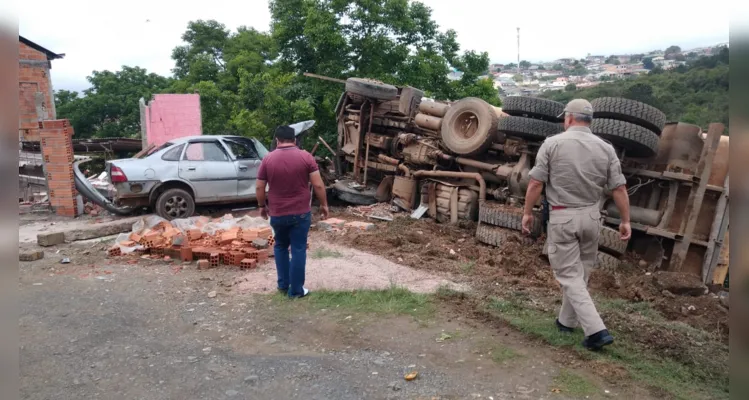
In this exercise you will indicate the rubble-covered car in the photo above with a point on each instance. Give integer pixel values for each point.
(181, 173)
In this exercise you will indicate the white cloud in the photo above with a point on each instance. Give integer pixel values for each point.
(95, 36)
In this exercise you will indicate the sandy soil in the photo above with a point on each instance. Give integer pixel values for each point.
(335, 267)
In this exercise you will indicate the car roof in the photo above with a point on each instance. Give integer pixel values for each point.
(205, 137)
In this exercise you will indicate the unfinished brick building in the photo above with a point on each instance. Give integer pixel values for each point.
(35, 95)
(44, 176)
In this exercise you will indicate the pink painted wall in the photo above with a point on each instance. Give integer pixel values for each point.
(170, 116)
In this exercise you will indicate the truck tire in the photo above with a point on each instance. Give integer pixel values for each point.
(632, 111)
(636, 140)
(507, 217)
(371, 88)
(175, 203)
(521, 106)
(496, 236)
(528, 128)
(469, 126)
(607, 263)
(608, 241)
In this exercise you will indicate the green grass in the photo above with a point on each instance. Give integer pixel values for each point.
(677, 379)
(572, 384)
(467, 267)
(501, 354)
(325, 253)
(391, 301)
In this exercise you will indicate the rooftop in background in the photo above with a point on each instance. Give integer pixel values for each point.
(50, 54)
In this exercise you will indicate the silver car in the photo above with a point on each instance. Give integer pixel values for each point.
(181, 173)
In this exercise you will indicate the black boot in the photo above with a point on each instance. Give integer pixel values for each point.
(597, 340)
(563, 328)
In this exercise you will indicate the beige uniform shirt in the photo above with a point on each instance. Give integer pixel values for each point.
(576, 165)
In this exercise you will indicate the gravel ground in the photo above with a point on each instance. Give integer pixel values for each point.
(147, 329)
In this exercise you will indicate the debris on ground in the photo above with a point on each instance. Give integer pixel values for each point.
(411, 375)
(30, 255)
(380, 211)
(680, 283)
(241, 242)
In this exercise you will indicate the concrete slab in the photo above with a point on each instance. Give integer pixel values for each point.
(76, 229)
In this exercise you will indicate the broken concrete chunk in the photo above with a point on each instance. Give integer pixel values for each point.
(364, 226)
(681, 283)
(331, 223)
(30, 255)
(723, 297)
(50, 239)
(260, 243)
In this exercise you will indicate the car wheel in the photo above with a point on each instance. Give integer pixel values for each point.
(175, 203)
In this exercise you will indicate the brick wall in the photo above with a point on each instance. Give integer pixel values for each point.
(171, 116)
(35, 101)
(57, 151)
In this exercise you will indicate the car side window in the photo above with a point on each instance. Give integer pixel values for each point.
(205, 151)
(173, 154)
(241, 150)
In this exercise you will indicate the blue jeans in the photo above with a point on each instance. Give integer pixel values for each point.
(291, 230)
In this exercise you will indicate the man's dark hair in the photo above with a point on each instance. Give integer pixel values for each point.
(285, 134)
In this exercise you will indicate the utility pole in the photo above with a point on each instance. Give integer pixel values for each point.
(518, 50)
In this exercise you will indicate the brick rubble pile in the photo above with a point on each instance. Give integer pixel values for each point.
(233, 246)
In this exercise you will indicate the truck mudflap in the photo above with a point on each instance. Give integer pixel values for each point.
(88, 191)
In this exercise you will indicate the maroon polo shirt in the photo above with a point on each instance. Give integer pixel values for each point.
(287, 169)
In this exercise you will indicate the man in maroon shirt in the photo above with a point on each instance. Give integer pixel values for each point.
(288, 171)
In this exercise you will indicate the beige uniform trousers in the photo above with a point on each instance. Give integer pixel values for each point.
(573, 246)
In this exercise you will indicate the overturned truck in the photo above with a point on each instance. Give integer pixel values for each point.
(470, 160)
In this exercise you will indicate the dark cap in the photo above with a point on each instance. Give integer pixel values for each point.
(284, 132)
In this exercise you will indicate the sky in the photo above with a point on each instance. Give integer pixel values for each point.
(94, 36)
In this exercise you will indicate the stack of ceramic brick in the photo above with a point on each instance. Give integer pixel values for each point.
(233, 246)
(57, 150)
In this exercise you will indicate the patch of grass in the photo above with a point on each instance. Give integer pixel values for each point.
(325, 253)
(468, 266)
(677, 379)
(391, 301)
(501, 354)
(572, 384)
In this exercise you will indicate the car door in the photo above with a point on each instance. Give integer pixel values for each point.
(247, 162)
(206, 164)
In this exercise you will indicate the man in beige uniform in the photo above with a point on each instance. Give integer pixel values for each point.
(576, 166)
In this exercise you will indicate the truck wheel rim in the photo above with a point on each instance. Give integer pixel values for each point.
(466, 124)
(175, 206)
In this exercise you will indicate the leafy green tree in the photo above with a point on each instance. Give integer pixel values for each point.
(517, 78)
(647, 63)
(109, 108)
(570, 87)
(525, 64)
(672, 50)
(510, 66)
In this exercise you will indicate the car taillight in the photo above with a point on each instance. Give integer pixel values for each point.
(116, 175)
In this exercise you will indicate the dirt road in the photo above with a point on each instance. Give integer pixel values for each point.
(154, 330)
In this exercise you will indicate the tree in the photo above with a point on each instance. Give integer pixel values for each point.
(611, 59)
(109, 108)
(510, 66)
(517, 78)
(672, 50)
(570, 87)
(525, 64)
(647, 63)
(558, 67)
(635, 58)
